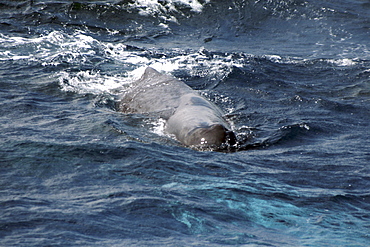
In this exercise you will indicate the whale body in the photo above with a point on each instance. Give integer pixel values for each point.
(194, 120)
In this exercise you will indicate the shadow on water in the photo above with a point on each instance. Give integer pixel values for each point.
(286, 135)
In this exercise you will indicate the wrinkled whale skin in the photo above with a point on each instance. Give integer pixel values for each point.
(194, 120)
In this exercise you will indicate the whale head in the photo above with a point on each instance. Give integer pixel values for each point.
(210, 136)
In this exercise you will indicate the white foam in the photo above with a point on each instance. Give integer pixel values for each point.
(48, 48)
(196, 63)
(343, 62)
(159, 127)
(165, 9)
(90, 82)
(150, 7)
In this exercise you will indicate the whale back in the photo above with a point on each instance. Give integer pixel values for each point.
(154, 92)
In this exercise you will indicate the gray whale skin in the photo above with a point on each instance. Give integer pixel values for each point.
(194, 120)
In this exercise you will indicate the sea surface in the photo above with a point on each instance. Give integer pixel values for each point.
(292, 76)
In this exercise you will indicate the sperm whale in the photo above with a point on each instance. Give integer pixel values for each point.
(193, 120)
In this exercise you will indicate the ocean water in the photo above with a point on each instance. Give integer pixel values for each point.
(292, 76)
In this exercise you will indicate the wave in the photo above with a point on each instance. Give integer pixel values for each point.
(86, 57)
(295, 27)
(83, 64)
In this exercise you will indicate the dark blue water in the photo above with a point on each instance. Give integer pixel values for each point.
(293, 78)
